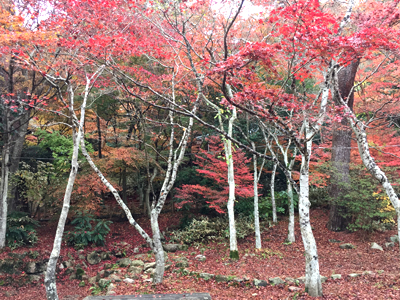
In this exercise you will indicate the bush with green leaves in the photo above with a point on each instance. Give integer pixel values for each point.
(84, 232)
(205, 229)
(21, 230)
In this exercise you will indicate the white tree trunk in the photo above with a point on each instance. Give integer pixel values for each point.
(274, 218)
(5, 173)
(313, 280)
(373, 168)
(234, 253)
(291, 237)
(50, 279)
(256, 212)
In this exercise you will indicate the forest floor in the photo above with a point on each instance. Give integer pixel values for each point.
(275, 260)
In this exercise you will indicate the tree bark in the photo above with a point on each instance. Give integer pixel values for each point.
(313, 280)
(272, 189)
(341, 143)
(291, 237)
(5, 173)
(256, 212)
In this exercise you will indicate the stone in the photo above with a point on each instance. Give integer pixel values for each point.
(93, 258)
(150, 271)
(115, 278)
(276, 281)
(206, 276)
(323, 278)
(135, 270)
(389, 245)
(104, 256)
(73, 276)
(69, 271)
(125, 262)
(354, 275)
(258, 282)
(108, 272)
(376, 247)
(221, 278)
(200, 257)
(368, 273)
(107, 266)
(110, 288)
(128, 280)
(394, 239)
(172, 247)
(35, 278)
(336, 276)
(81, 257)
(68, 263)
(302, 279)
(136, 250)
(93, 280)
(291, 280)
(294, 289)
(103, 282)
(30, 268)
(149, 265)
(334, 241)
(119, 254)
(347, 246)
(137, 263)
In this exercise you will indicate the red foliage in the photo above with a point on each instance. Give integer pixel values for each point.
(213, 166)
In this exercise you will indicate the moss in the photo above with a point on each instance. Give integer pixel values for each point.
(234, 254)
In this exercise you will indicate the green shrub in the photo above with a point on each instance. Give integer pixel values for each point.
(204, 229)
(21, 230)
(83, 234)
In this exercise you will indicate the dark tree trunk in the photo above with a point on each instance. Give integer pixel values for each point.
(341, 142)
(99, 133)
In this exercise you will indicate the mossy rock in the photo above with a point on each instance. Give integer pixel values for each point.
(79, 273)
(10, 266)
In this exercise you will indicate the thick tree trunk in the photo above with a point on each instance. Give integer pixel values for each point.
(272, 190)
(158, 249)
(341, 142)
(313, 280)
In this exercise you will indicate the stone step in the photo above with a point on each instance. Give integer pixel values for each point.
(193, 296)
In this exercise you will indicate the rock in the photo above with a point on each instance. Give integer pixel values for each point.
(125, 262)
(72, 277)
(149, 265)
(69, 271)
(291, 280)
(35, 278)
(258, 282)
(18, 256)
(10, 266)
(85, 277)
(81, 284)
(136, 250)
(129, 280)
(107, 266)
(368, 273)
(206, 276)
(347, 246)
(334, 241)
(148, 280)
(93, 280)
(119, 254)
(354, 275)
(200, 257)
(124, 244)
(135, 270)
(323, 278)
(137, 263)
(302, 279)
(276, 281)
(394, 239)
(294, 289)
(30, 267)
(110, 291)
(172, 247)
(336, 276)
(108, 272)
(68, 263)
(182, 262)
(376, 247)
(221, 278)
(150, 271)
(81, 257)
(93, 258)
(389, 245)
(104, 256)
(103, 282)
(115, 278)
